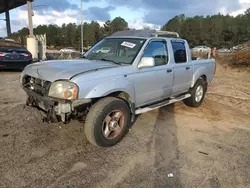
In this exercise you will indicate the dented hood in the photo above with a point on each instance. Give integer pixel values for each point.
(64, 69)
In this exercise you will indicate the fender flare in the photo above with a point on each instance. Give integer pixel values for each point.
(198, 73)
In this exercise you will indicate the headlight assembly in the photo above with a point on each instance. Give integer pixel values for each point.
(63, 90)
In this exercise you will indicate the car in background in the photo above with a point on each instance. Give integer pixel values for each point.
(68, 50)
(201, 49)
(104, 50)
(224, 50)
(13, 57)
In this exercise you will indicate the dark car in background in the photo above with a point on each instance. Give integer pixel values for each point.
(14, 57)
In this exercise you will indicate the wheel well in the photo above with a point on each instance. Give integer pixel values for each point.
(122, 95)
(119, 94)
(204, 77)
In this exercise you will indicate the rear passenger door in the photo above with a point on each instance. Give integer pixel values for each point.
(182, 68)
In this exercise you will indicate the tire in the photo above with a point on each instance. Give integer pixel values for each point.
(109, 114)
(192, 101)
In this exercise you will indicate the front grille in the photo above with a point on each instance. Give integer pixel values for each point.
(37, 85)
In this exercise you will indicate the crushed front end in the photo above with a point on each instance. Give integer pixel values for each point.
(53, 109)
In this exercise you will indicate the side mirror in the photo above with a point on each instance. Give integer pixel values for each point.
(146, 62)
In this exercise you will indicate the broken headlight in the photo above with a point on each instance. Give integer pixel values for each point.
(63, 90)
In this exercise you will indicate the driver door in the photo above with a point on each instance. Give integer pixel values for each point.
(154, 83)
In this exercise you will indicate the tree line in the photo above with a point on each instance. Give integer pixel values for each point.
(214, 31)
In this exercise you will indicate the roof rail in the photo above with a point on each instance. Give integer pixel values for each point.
(144, 33)
(157, 33)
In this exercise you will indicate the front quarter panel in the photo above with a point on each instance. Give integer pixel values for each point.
(104, 86)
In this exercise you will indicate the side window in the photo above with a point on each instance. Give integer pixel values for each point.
(157, 50)
(180, 54)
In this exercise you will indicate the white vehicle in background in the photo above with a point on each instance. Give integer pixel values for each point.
(224, 50)
(68, 50)
(104, 50)
(201, 49)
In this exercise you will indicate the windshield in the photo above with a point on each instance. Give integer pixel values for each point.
(118, 50)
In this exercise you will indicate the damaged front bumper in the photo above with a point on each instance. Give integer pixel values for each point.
(56, 110)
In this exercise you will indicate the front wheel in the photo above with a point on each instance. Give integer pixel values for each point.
(107, 122)
(197, 94)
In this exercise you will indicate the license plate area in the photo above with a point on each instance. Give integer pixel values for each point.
(12, 57)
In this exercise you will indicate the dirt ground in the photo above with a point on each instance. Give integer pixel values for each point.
(201, 147)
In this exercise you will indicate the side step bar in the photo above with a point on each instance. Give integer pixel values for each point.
(161, 104)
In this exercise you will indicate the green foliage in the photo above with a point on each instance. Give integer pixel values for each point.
(69, 35)
(118, 24)
(214, 31)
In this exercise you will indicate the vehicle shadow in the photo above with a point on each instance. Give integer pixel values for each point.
(164, 145)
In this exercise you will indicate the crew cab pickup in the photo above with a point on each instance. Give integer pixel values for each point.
(141, 71)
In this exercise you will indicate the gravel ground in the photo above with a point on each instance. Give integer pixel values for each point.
(200, 147)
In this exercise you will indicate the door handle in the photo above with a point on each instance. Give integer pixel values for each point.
(169, 70)
(187, 68)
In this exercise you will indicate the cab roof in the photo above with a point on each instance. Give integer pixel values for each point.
(144, 34)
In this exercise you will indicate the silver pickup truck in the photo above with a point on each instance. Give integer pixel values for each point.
(139, 71)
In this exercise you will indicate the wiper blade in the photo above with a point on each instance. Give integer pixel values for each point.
(117, 63)
(84, 57)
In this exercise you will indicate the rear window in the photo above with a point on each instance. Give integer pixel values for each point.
(180, 54)
(13, 49)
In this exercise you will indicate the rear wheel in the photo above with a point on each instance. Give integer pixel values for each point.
(197, 94)
(107, 122)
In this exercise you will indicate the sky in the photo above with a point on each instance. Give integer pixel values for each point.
(138, 13)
